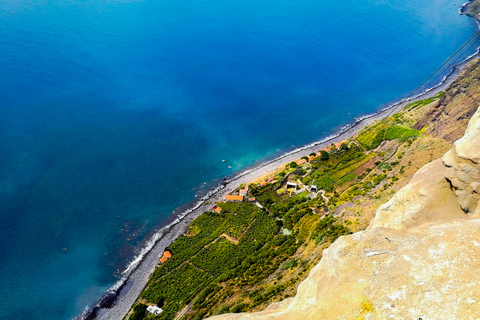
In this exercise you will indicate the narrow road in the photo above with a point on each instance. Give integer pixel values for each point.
(322, 193)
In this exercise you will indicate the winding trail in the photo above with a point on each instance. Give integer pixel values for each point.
(322, 193)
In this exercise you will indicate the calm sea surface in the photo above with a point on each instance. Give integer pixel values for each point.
(114, 112)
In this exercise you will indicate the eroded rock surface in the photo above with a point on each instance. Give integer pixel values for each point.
(419, 258)
(463, 167)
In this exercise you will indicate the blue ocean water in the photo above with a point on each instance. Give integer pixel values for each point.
(113, 113)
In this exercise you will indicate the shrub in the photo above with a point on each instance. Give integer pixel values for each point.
(139, 312)
(324, 156)
(238, 308)
(299, 171)
(379, 179)
(289, 264)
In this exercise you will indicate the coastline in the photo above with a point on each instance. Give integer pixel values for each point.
(124, 293)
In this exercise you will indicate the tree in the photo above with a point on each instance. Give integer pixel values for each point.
(324, 155)
(160, 302)
(344, 147)
(293, 164)
(306, 158)
(313, 154)
(299, 171)
(139, 312)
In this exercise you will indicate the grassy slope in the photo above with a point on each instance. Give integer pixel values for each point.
(210, 274)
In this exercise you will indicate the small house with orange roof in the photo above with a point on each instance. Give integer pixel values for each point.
(234, 198)
(301, 161)
(243, 192)
(166, 255)
(217, 209)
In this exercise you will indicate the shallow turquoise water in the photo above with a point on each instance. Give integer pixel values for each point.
(114, 113)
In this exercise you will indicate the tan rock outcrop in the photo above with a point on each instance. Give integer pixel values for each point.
(428, 197)
(463, 168)
(419, 258)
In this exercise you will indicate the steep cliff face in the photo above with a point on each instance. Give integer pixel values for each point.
(463, 168)
(418, 259)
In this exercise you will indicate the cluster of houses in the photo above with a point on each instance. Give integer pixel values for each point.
(242, 196)
(337, 146)
(243, 193)
(332, 147)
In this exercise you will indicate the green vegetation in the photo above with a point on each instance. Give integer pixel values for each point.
(292, 164)
(424, 102)
(327, 230)
(400, 132)
(371, 137)
(395, 127)
(205, 265)
(347, 178)
(324, 155)
(139, 312)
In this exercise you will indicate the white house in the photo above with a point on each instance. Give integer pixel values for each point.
(291, 185)
(154, 310)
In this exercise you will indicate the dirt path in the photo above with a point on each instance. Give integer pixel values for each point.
(231, 239)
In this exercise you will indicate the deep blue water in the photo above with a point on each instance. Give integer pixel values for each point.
(114, 112)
